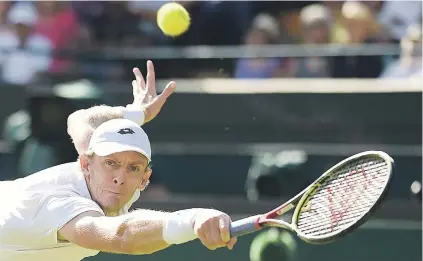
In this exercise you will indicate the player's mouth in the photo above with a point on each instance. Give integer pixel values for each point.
(115, 193)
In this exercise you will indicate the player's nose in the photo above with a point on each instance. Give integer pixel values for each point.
(119, 178)
(118, 181)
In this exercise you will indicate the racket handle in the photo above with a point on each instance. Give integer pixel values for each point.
(244, 226)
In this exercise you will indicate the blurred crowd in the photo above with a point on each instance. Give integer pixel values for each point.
(51, 27)
(337, 22)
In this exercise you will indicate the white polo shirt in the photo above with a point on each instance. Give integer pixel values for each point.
(34, 208)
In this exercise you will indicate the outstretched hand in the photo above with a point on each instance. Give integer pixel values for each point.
(212, 228)
(145, 94)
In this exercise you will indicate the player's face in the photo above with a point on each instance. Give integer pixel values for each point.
(113, 179)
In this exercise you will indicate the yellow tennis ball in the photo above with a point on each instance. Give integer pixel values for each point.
(173, 19)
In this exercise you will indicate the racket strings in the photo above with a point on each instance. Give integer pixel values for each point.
(330, 211)
(344, 197)
(315, 222)
(319, 223)
(338, 185)
(323, 208)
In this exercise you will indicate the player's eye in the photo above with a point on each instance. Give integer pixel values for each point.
(135, 168)
(110, 163)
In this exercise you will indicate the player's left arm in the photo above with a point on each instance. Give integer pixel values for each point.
(145, 107)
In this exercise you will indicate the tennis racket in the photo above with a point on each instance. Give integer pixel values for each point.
(337, 203)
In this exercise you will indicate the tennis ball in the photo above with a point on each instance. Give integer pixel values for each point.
(173, 19)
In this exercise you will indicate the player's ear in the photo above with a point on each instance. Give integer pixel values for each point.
(84, 162)
(145, 179)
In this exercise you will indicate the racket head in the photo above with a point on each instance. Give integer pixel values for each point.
(330, 209)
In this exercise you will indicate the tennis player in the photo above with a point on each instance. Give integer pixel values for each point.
(75, 210)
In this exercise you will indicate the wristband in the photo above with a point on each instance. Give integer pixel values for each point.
(179, 226)
(132, 113)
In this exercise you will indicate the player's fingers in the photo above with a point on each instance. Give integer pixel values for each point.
(139, 78)
(168, 90)
(153, 108)
(215, 235)
(205, 239)
(224, 223)
(211, 234)
(151, 78)
(231, 243)
(135, 89)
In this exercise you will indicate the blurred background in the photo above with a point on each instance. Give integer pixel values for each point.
(270, 95)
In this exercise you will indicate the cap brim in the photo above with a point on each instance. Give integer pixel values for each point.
(107, 148)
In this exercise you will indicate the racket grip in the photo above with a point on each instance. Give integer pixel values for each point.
(244, 226)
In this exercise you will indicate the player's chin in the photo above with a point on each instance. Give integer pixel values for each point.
(113, 202)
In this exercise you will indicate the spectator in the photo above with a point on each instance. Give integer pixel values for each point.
(374, 6)
(382, 34)
(4, 7)
(264, 30)
(27, 53)
(362, 29)
(86, 11)
(115, 25)
(338, 32)
(222, 22)
(316, 26)
(59, 24)
(103, 25)
(398, 16)
(147, 11)
(410, 62)
(360, 23)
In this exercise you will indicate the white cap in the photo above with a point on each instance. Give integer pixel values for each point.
(23, 13)
(119, 135)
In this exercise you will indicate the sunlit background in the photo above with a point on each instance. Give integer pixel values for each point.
(269, 95)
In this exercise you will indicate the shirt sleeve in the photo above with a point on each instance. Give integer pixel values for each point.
(57, 211)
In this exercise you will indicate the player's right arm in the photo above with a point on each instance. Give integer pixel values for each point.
(147, 231)
(121, 234)
(146, 105)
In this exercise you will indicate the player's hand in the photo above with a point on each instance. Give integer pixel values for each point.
(212, 228)
(145, 94)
